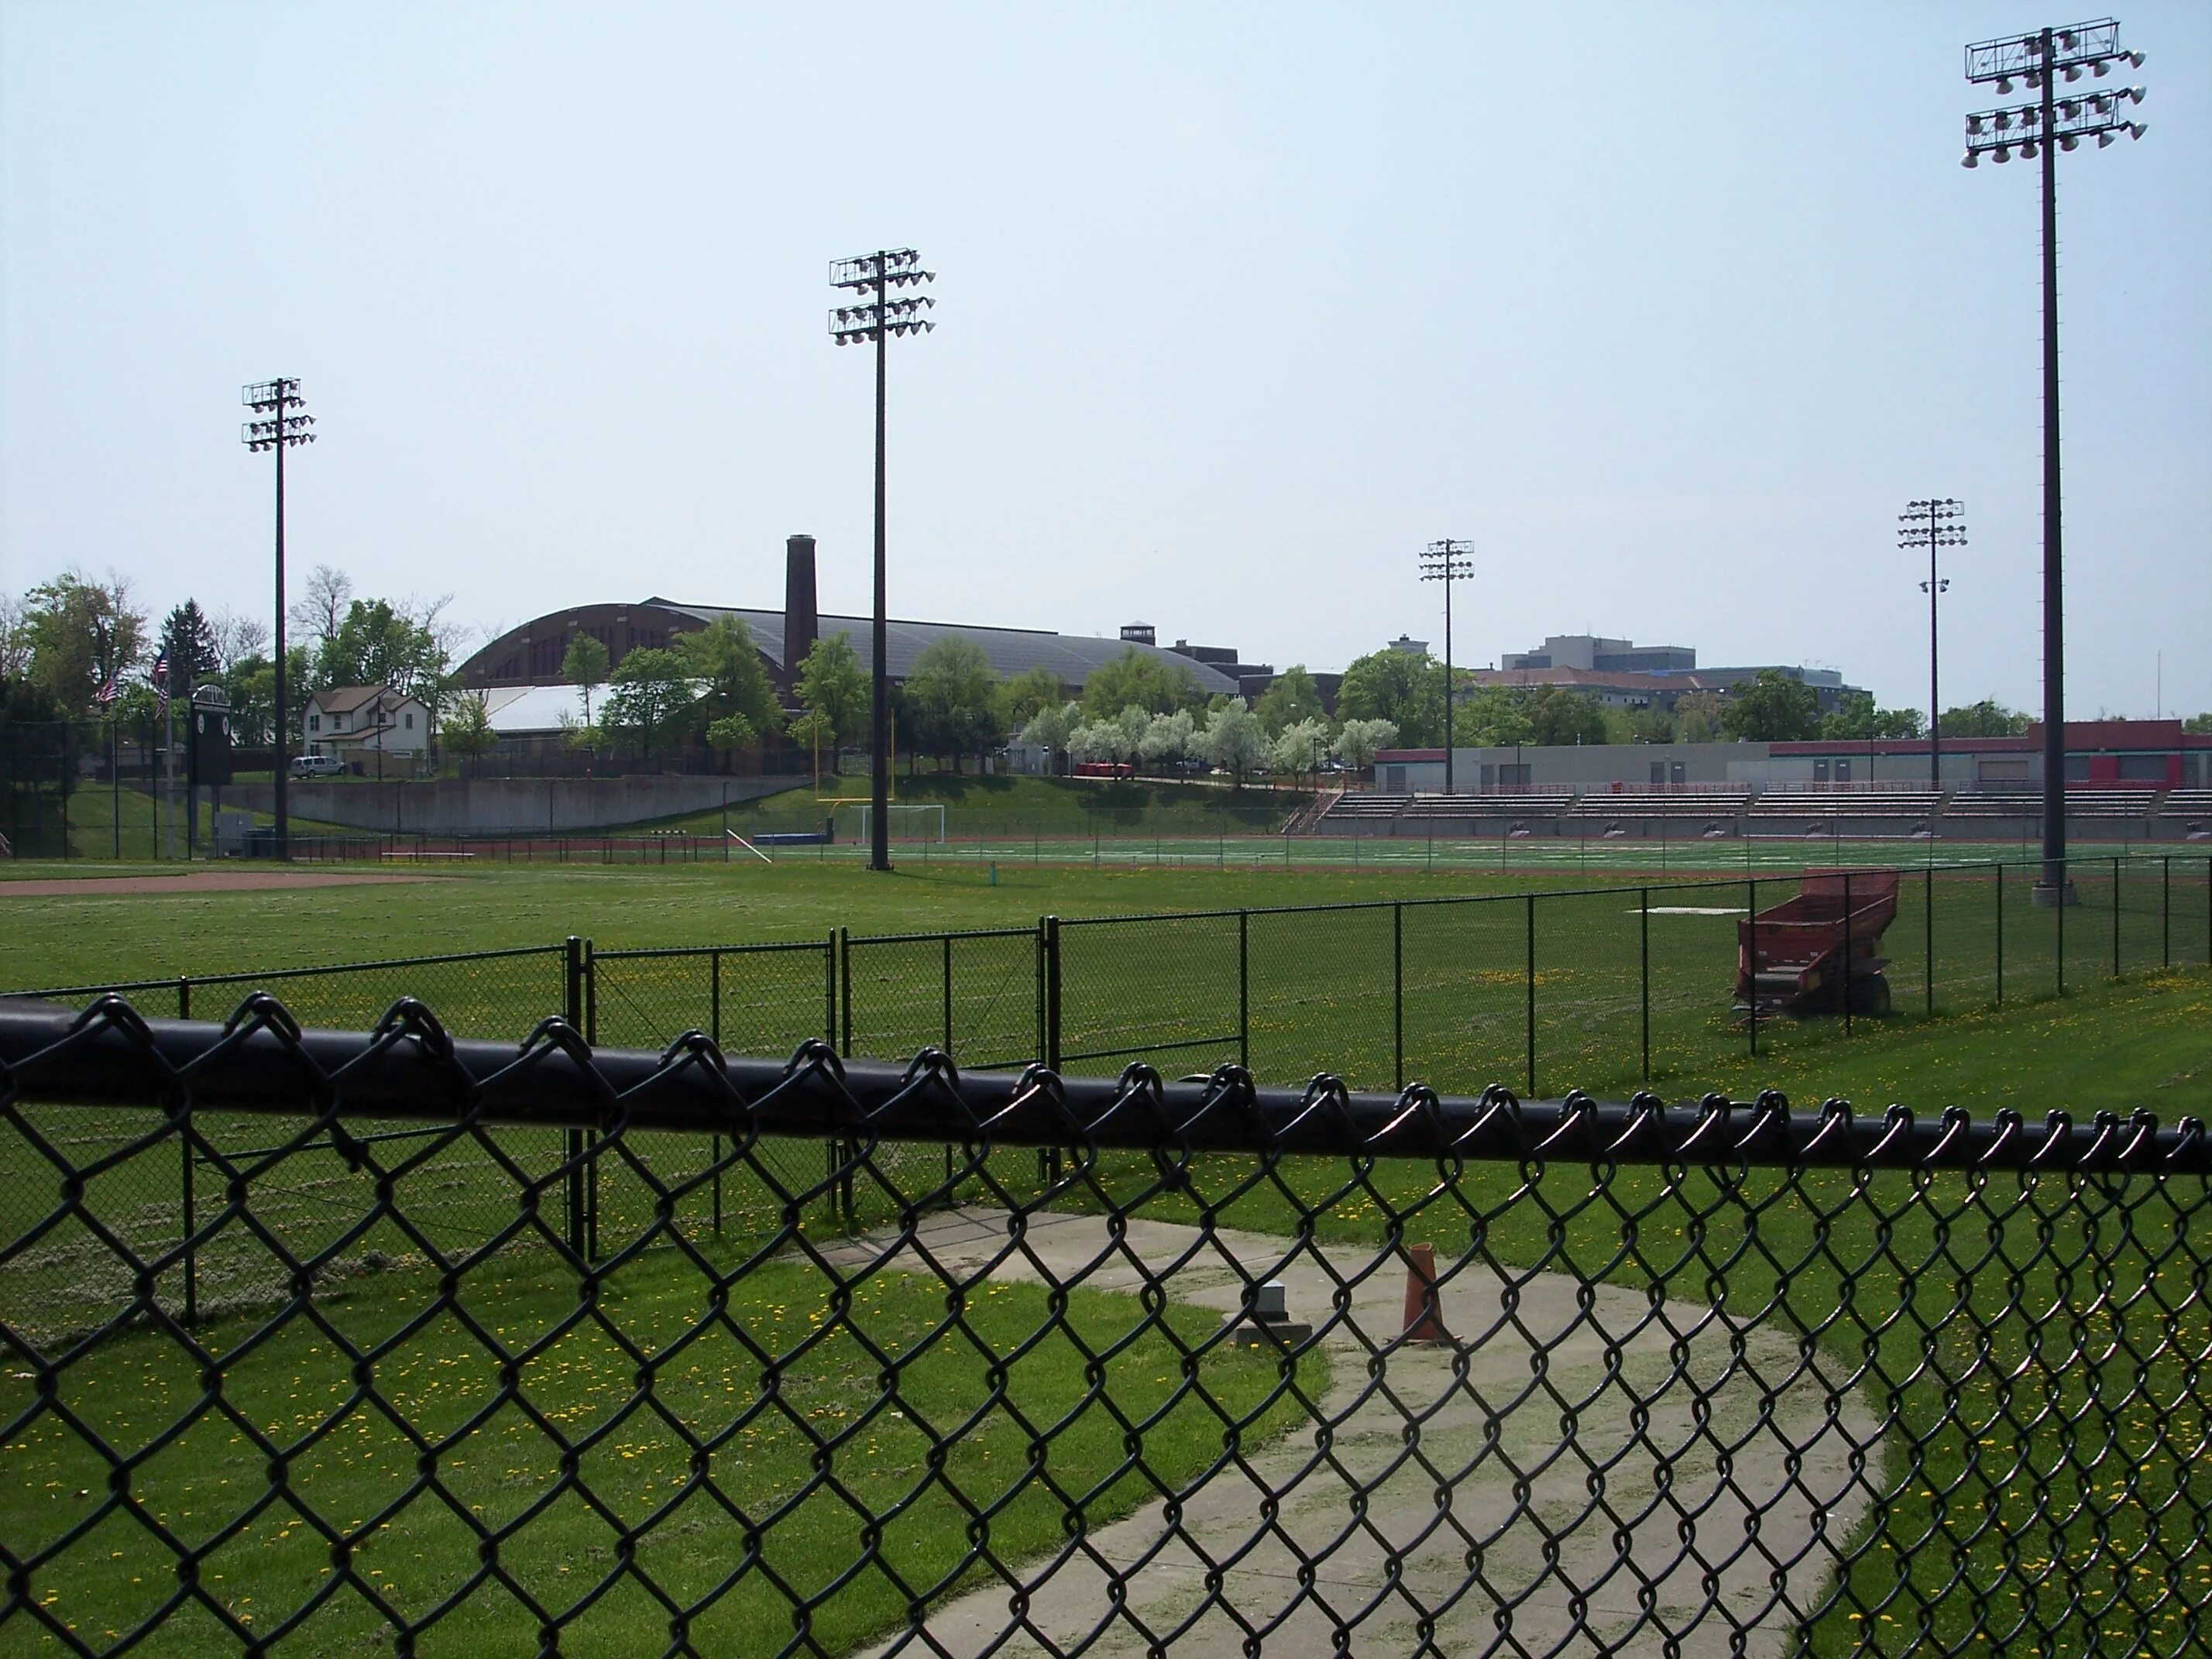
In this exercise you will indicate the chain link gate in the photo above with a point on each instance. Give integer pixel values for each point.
(1555, 1377)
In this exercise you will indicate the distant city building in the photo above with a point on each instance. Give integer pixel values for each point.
(1411, 647)
(1592, 654)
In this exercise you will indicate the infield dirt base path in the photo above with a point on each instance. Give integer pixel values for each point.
(1698, 1504)
(197, 881)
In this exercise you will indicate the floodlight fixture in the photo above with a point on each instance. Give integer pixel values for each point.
(1933, 522)
(1448, 561)
(2041, 58)
(277, 429)
(874, 321)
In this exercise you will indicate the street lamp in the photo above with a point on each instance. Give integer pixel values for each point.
(1932, 524)
(877, 319)
(278, 429)
(2055, 121)
(1448, 561)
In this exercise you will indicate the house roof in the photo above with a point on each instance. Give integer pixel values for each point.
(344, 699)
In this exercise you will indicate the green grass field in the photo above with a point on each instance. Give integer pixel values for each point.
(2032, 1409)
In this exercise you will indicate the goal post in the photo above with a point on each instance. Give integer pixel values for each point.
(908, 821)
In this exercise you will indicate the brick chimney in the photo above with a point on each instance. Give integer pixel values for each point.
(802, 621)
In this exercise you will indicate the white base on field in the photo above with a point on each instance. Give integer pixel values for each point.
(909, 822)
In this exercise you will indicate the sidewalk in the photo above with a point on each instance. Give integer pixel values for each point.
(1701, 1496)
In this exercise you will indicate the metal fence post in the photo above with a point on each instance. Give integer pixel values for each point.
(2116, 918)
(1052, 964)
(948, 993)
(1529, 984)
(2059, 910)
(1927, 939)
(190, 1211)
(573, 1139)
(1644, 955)
(1846, 988)
(1997, 869)
(1398, 991)
(1751, 952)
(715, 1014)
(2166, 911)
(592, 1139)
(830, 987)
(1244, 989)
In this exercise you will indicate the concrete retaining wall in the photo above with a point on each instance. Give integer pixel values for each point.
(502, 805)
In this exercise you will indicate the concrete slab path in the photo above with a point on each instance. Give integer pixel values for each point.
(1585, 1471)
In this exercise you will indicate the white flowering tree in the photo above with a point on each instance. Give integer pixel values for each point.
(1301, 747)
(1049, 727)
(1234, 740)
(1168, 738)
(1359, 741)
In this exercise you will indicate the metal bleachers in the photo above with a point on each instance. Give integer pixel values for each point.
(1549, 804)
(1848, 804)
(1364, 807)
(1721, 800)
(2028, 803)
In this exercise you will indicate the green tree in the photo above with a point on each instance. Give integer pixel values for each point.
(1050, 728)
(1772, 709)
(650, 699)
(1651, 725)
(1856, 718)
(466, 727)
(1022, 698)
(1140, 679)
(955, 699)
(1292, 697)
(1301, 747)
(1493, 718)
(584, 666)
(83, 634)
(1987, 719)
(834, 690)
(1563, 718)
(2198, 724)
(1358, 741)
(1398, 686)
(1168, 739)
(729, 734)
(1697, 717)
(734, 681)
(378, 644)
(188, 642)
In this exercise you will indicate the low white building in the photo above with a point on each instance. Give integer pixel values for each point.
(364, 722)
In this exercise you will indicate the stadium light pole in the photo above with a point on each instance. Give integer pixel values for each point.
(2055, 121)
(1932, 524)
(876, 319)
(276, 428)
(1448, 561)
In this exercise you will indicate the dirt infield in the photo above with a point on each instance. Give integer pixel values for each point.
(197, 881)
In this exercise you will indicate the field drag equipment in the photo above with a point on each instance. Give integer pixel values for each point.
(1818, 953)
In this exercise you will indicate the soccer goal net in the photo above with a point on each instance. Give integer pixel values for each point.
(918, 821)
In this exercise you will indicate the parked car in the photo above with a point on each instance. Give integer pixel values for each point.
(317, 766)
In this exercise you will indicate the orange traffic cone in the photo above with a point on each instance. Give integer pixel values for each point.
(1422, 1305)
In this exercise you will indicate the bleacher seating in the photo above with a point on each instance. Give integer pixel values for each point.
(2028, 803)
(1719, 800)
(1847, 803)
(1364, 806)
(2187, 803)
(1536, 804)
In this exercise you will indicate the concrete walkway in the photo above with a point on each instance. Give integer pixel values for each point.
(1698, 1496)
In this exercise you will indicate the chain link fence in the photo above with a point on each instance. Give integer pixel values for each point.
(1296, 1370)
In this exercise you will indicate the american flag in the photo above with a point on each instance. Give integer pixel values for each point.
(108, 692)
(161, 681)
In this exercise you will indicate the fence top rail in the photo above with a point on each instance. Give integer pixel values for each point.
(407, 1067)
(947, 933)
(816, 946)
(255, 974)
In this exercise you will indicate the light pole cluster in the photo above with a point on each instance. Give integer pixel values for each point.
(276, 427)
(1933, 524)
(2042, 61)
(1448, 561)
(877, 317)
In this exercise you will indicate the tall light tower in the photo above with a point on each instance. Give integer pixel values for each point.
(276, 428)
(2053, 122)
(1448, 561)
(1932, 524)
(877, 319)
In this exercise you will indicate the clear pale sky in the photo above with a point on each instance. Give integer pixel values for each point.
(1670, 310)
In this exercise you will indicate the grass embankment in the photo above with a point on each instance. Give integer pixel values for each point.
(1012, 806)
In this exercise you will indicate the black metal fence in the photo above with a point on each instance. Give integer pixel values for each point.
(1278, 1371)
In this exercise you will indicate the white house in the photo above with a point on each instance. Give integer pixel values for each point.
(362, 722)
